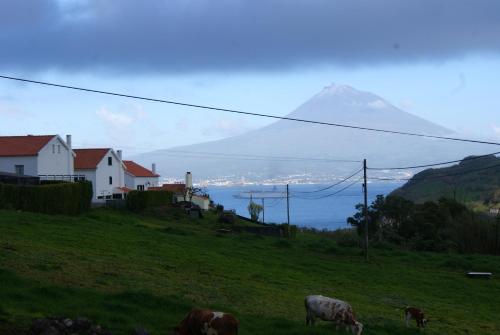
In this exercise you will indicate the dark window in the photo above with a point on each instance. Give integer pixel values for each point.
(117, 196)
(108, 197)
(110, 180)
(100, 197)
(19, 170)
(110, 161)
(58, 148)
(140, 187)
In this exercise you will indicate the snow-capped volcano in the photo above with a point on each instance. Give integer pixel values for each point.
(339, 104)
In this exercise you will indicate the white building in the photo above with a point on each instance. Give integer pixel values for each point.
(137, 177)
(184, 192)
(105, 169)
(47, 156)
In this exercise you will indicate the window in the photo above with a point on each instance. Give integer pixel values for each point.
(100, 197)
(58, 148)
(110, 161)
(19, 170)
(140, 187)
(53, 148)
(110, 180)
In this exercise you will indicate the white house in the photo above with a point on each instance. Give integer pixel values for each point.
(105, 169)
(47, 156)
(137, 177)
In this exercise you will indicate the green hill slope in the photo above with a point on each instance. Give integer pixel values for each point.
(472, 180)
(124, 270)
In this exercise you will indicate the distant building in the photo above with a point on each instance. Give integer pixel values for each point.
(45, 156)
(105, 169)
(139, 178)
(182, 192)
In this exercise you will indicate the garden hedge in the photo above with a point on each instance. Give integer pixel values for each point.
(140, 200)
(62, 198)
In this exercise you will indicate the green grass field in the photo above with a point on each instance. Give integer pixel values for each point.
(123, 271)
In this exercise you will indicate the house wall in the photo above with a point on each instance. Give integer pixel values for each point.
(53, 158)
(7, 164)
(104, 171)
(132, 182)
(100, 176)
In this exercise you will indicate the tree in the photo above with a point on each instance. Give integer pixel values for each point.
(192, 191)
(254, 211)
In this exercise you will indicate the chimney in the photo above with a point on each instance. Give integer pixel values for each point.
(153, 168)
(71, 159)
(189, 180)
(121, 170)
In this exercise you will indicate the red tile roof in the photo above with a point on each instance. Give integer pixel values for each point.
(176, 188)
(89, 158)
(137, 170)
(23, 145)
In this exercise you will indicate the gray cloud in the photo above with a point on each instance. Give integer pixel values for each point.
(200, 35)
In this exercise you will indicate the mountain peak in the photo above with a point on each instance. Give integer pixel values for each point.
(337, 89)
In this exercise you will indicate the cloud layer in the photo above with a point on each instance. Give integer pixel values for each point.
(153, 36)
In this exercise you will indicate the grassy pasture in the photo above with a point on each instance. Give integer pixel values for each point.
(124, 270)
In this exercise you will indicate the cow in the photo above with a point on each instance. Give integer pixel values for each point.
(416, 314)
(330, 309)
(207, 322)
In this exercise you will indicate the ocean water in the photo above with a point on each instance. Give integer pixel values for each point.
(308, 208)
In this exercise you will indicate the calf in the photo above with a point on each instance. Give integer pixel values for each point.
(207, 322)
(417, 314)
(330, 309)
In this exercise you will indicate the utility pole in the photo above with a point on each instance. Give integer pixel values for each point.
(263, 211)
(365, 209)
(287, 205)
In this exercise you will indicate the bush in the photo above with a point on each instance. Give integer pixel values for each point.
(227, 217)
(346, 237)
(138, 201)
(61, 198)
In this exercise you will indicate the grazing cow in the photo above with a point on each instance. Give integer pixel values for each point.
(330, 309)
(207, 322)
(417, 314)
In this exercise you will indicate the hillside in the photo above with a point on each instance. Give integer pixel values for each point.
(470, 181)
(334, 104)
(125, 270)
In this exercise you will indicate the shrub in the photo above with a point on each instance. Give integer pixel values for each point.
(346, 237)
(228, 217)
(141, 200)
(61, 198)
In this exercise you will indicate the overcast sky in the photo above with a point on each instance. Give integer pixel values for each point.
(439, 59)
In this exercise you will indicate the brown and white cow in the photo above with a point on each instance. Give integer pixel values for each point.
(417, 314)
(207, 322)
(330, 309)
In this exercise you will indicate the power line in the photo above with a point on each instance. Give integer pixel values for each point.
(333, 185)
(194, 154)
(184, 104)
(419, 177)
(433, 164)
(334, 193)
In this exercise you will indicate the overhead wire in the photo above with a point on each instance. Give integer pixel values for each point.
(433, 164)
(420, 177)
(332, 194)
(185, 104)
(331, 186)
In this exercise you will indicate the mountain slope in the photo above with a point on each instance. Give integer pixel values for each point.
(335, 104)
(473, 180)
